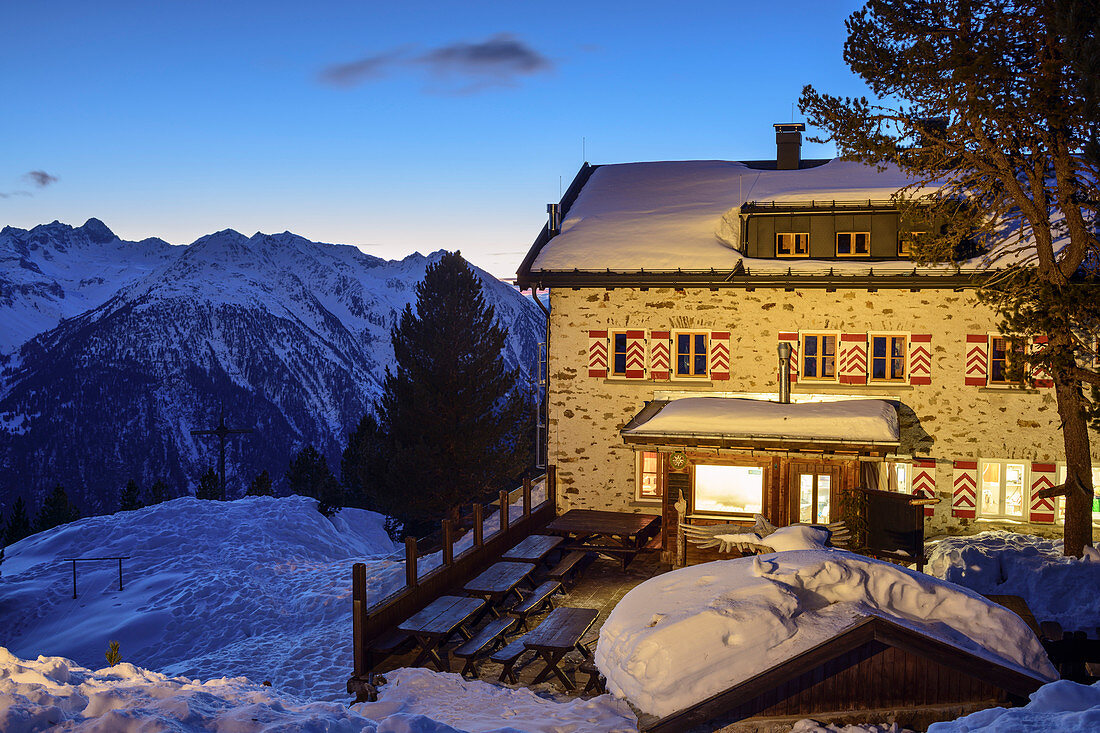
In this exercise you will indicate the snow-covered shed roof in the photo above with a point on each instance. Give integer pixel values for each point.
(723, 420)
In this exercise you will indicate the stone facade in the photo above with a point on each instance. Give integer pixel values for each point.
(946, 420)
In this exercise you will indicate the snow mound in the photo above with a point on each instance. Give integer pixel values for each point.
(479, 706)
(794, 537)
(811, 726)
(1057, 706)
(258, 587)
(1056, 587)
(681, 637)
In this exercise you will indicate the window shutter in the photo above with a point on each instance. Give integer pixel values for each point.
(964, 497)
(853, 358)
(660, 349)
(792, 339)
(920, 358)
(1042, 477)
(597, 354)
(977, 359)
(1040, 376)
(719, 355)
(635, 354)
(924, 480)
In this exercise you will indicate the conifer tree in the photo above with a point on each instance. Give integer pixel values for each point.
(18, 525)
(158, 492)
(261, 485)
(55, 510)
(130, 497)
(209, 486)
(451, 424)
(309, 475)
(994, 104)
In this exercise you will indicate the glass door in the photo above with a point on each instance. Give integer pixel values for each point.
(813, 490)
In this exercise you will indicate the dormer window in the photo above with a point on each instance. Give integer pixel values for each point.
(792, 244)
(853, 244)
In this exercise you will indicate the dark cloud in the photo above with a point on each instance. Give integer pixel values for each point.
(498, 61)
(40, 178)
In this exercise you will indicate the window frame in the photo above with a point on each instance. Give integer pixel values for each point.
(802, 336)
(639, 473)
(693, 354)
(611, 335)
(889, 335)
(1013, 343)
(906, 240)
(852, 244)
(794, 254)
(1060, 471)
(1025, 492)
(765, 477)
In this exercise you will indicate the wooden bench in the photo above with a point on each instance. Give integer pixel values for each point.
(568, 566)
(596, 682)
(539, 599)
(508, 655)
(381, 647)
(483, 640)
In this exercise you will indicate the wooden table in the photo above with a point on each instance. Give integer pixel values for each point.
(497, 581)
(623, 534)
(435, 623)
(557, 635)
(534, 548)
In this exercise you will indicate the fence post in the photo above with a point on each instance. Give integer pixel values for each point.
(411, 578)
(74, 578)
(552, 486)
(120, 573)
(526, 497)
(358, 598)
(478, 525)
(448, 542)
(503, 511)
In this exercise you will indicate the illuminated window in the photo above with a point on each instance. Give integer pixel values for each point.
(792, 244)
(1060, 501)
(853, 244)
(1003, 487)
(648, 489)
(618, 353)
(729, 489)
(888, 357)
(813, 497)
(818, 356)
(902, 478)
(906, 240)
(1002, 355)
(691, 354)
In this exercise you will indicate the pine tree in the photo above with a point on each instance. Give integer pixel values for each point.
(130, 497)
(158, 492)
(451, 423)
(261, 485)
(209, 486)
(18, 525)
(992, 103)
(55, 510)
(309, 475)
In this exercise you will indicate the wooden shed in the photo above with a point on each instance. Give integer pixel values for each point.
(875, 669)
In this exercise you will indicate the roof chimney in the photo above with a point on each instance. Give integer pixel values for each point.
(788, 145)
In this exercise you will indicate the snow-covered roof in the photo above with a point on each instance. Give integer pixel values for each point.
(846, 421)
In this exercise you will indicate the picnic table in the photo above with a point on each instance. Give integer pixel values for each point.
(534, 548)
(558, 634)
(497, 581)
(436, 622)
(623, 534)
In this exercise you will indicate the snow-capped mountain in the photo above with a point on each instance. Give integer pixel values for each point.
(138, 343)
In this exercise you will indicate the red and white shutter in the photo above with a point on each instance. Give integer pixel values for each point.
(792, 339)
(977, 359)
(635, 354)
(853, 358)
(1042, 477)
(597, 354)
(924, 480)
(920, 358)
(660, 359)
(719, 355)
(964, 497)
(1040, 376)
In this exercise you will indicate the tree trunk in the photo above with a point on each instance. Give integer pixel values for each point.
(1077, 531)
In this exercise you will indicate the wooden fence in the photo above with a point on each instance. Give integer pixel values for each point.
(454, 569)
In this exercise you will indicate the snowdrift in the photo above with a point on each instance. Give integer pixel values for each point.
(681, 637)
(1059, 706)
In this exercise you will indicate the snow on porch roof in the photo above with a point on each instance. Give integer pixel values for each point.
(710, 419)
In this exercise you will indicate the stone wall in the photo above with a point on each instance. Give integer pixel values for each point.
(946, 420)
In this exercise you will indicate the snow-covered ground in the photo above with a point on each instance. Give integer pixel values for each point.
(681, 637)
(1056, 588)
(1058, 707)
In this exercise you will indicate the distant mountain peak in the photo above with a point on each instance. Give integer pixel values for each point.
(97, 231)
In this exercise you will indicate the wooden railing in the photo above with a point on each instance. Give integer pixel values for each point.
(425, 581)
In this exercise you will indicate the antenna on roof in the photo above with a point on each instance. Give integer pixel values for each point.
(559, 187)
(584, 154)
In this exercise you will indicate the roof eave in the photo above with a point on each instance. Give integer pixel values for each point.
(737, 278)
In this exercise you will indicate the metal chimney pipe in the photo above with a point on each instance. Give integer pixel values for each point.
(554, 223)
(785, 372)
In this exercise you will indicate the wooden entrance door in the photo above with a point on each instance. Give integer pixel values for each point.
(814, 492)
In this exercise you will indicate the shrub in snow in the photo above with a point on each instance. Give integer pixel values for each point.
(683, 636)
(113, 655)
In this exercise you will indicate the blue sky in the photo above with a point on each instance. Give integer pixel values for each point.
(393, 126)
